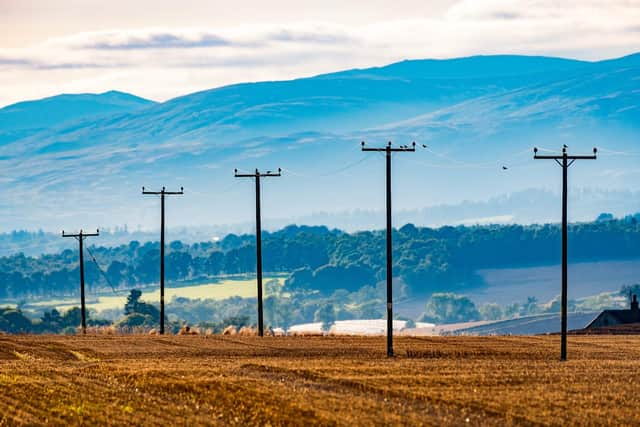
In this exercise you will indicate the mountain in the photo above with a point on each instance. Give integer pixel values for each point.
(25, 118)
(475, 114)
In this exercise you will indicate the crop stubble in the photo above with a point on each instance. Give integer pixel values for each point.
(190, 380)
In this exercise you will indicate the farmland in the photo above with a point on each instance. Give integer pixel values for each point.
(508, 285)
(233, 380)
(245, 288)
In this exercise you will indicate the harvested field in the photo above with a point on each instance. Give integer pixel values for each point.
(246, 380)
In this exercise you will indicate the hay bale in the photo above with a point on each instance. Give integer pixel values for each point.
(312, 334)
(186, 330)
(247, 331)
(153, 332)
(230, 330)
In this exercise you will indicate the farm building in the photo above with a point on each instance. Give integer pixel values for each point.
(617, 317)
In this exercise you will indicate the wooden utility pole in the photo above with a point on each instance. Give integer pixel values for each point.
(388, 150)
(80, 237)
(564, 161)
(257, 175)
(162, 195)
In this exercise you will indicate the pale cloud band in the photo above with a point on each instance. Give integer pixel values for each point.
(161, 63)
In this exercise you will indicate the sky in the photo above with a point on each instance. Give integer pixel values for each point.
(160, 49)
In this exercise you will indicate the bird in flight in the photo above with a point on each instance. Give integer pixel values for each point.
(504, 168)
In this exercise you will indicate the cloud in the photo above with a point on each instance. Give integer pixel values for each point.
(15, 61)
(158, 41)
(505, 15)
(286, 35)
(35, 64)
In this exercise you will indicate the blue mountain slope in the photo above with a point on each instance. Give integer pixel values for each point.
(353, 99)
(28, 117)
(472, 67)
(475, 113)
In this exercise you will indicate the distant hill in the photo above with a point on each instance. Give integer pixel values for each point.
(475, 115)
(472, 67)
(25, 118)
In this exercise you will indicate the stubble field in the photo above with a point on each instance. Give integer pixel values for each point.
(192, 380)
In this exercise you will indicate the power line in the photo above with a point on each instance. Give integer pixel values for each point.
(104, 275)
(215, 196)
(256, 176)
(330, 173)
(387, 151)
(162, 193)
(80, 238)
(458, 164)
(565, 161)
(614, 153)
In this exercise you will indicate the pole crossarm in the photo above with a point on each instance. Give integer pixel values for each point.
(389, 149)
(564, 160)
(162, 193)
(81, 234)
(80, 238)
(257, 175)
(564, 155)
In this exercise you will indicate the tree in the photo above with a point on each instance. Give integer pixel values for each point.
(237, 321)
(52, 317)
(116, 272)
(178, 265)
(132, 301)
(512, 310)
(627, 290)
(300, 278)
(327, 315)
(331, 277)
(147, 268)
(491, 311)
(450, 308)
(605, 217)
(279, 311)
(135, 306)
(530, 306)
(370, 310)
(215, 262)
(14, 321)
(72, 318)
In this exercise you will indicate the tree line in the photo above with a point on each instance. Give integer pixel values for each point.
(426, 260)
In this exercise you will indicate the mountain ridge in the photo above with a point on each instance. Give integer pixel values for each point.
(312, 128)
(26, 118)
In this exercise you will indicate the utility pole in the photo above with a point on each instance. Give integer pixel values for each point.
(388, 150)
(162, 194)
(564, 161)
(257, 175)
(80, 237)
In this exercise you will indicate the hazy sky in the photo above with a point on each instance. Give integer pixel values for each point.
(164, 48)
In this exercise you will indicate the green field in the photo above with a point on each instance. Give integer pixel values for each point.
(245, 288)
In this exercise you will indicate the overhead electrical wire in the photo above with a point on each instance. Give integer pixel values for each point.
(101, 271)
